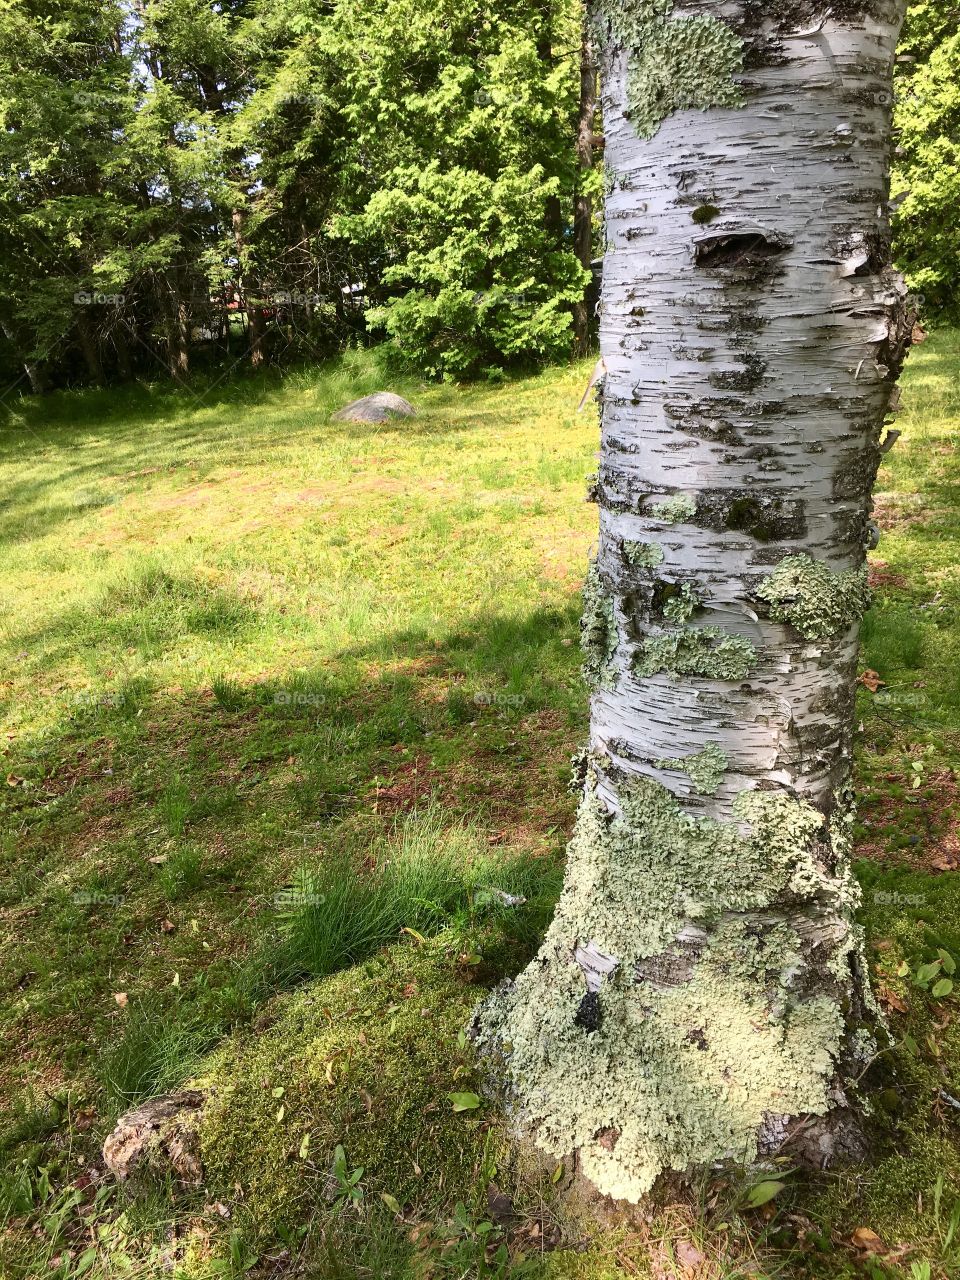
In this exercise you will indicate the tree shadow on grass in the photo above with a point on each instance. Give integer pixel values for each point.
(484, 721)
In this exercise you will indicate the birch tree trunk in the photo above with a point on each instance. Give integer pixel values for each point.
(582, 202)
(702, 993)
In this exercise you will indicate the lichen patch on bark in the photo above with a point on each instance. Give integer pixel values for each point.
(705, 768)
(598, 631)
(813, 598)
(701, 651)
(674, 61)
(714, 1017)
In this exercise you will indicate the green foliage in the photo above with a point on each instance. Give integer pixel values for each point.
(483, 281)
(926, 177)
(269, 179)
(466, 123)
(427, 877)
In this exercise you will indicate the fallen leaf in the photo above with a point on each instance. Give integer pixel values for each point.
(14, 780)
(869, 1241)
(689, 1256)
(762, 1192)
(167, 926)
(891, 999)
(464, 1101)
(870, 680)
(121, 998)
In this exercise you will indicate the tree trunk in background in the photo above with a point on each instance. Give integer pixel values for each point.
(35, 375)
(702, 992)
(178, 333)
(582, 204)
(255, 326)
(122, 348)
(90, 348)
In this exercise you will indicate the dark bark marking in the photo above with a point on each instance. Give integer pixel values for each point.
(589, 1015)
(765, 514)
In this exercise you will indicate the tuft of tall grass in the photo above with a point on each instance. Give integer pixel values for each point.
(158, 1047)
(431, 873)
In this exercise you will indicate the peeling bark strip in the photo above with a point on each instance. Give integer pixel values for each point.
(702, 986)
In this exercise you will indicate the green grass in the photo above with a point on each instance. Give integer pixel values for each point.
(285, 702)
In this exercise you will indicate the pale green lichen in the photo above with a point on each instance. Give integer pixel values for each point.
(643, 555)
(675, 509)
(598, 632)
(715, 1020)
(673, 62)
(681, 607)
(705, 769)
(702, 651)
(813, 598)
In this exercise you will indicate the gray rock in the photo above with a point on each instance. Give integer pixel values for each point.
(380, 407)
(157, 1138)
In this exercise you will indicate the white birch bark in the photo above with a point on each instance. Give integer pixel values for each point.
(701, 994)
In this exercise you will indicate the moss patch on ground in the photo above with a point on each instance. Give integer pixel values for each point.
(367, 1060)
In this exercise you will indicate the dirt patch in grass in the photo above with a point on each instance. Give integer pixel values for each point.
(899, 510)
(413, 783)
(917, 827)
(879, 574)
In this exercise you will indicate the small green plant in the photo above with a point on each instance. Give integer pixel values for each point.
(918, 769)
(175, 806)
(240, 1259)
(348, 1189)
(948, 1221)
(935, 976)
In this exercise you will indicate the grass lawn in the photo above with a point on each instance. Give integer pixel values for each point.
(284, 703)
